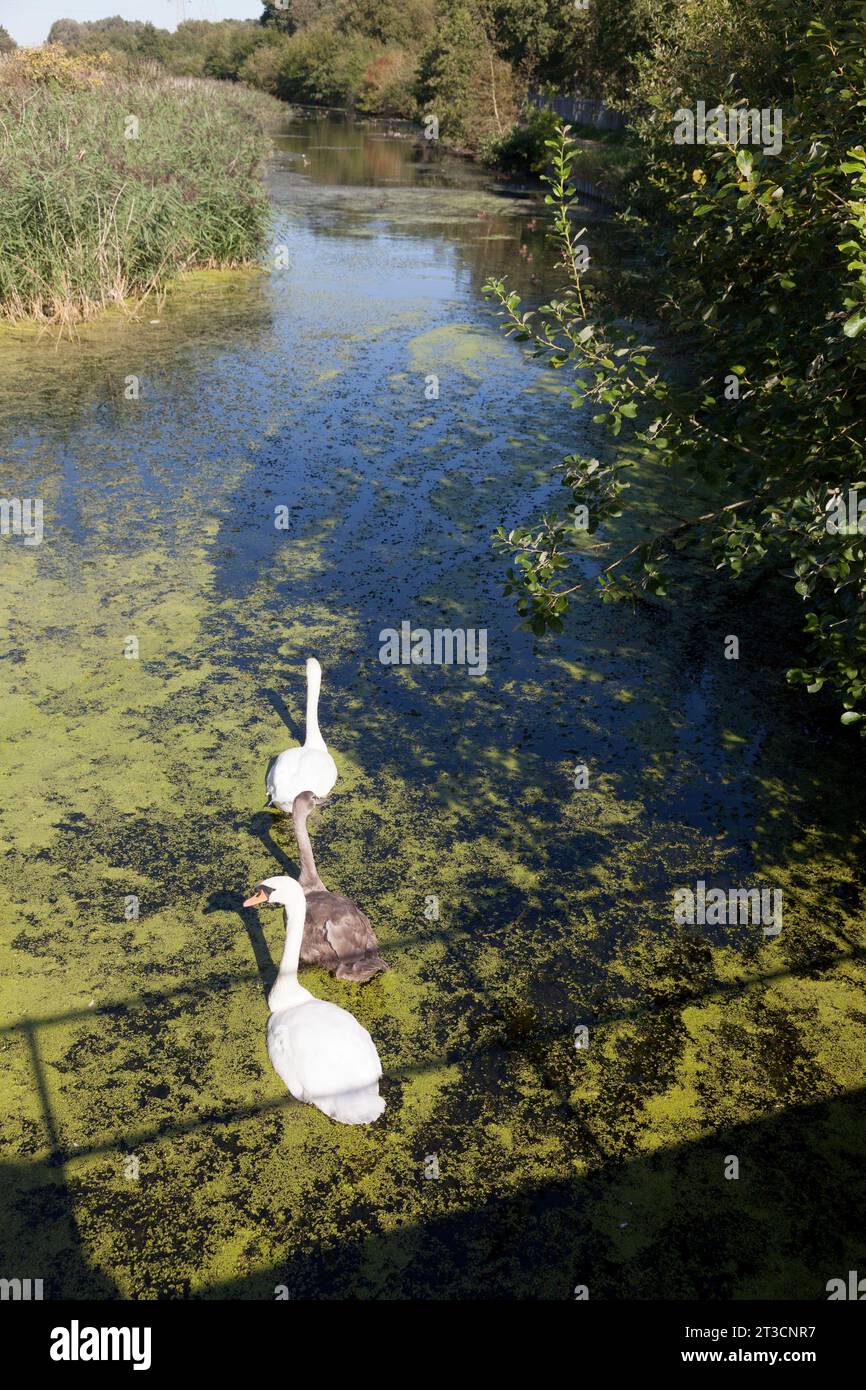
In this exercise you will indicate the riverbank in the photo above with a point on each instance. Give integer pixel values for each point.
(114, 185)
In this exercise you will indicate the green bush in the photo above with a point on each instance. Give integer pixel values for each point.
(388, 86)
(474, 94)
(524, 148)
(396, 24)
(261, 68)
(323, 67)
(762, 276)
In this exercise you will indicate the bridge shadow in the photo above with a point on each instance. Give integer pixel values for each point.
(40, 1236)
(666, 1226)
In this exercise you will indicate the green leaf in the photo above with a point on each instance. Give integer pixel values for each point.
(745, 160)
(855, 325)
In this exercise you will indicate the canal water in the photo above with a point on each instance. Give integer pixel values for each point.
(581, 1093)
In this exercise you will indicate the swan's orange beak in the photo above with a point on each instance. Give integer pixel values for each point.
(259, 897)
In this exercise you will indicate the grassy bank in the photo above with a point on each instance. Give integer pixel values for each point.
(112, 185)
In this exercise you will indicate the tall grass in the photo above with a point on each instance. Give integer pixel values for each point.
(90, 216)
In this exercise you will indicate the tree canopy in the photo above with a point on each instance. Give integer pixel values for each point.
(760, 253)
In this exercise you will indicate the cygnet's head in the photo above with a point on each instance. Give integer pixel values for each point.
(281, 890)
(305, 802)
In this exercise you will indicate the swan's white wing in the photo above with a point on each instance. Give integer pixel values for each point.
(321, 1050)
(300, 770)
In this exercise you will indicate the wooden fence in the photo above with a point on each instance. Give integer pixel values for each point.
(578, 109)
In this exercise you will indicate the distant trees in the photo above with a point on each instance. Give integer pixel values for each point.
(93, 36)
(323, 66)
(401, 23)
(613, 37)
(468, 62)
(197, 48)
(360, 53)
(290, 15)
(463, 79)
(7, 43)
(261, 68)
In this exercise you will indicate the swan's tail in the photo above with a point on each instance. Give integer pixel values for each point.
(361, 968)
(360, 1107)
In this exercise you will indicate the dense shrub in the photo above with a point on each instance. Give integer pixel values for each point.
(464, 83)
(261, 68)
(523, 149)
(388, 85)
(761, 272)
(324, 67)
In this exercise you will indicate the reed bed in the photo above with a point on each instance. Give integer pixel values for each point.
(112, 184)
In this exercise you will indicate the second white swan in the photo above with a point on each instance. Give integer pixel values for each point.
(308, 768)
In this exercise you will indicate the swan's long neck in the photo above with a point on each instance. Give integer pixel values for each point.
(314, 684)
(308, 878)
(286, 990)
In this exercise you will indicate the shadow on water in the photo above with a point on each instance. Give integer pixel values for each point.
(40, 1236)
(39, 1231)
(527, 1035)
(665, 1226)
(223, 902)
(535, 1240)
(278, 705)
(273, 831)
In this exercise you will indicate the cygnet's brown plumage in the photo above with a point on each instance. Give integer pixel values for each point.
(336, 932)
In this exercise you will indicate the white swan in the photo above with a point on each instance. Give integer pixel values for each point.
(308, 768)
(321, 1052)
